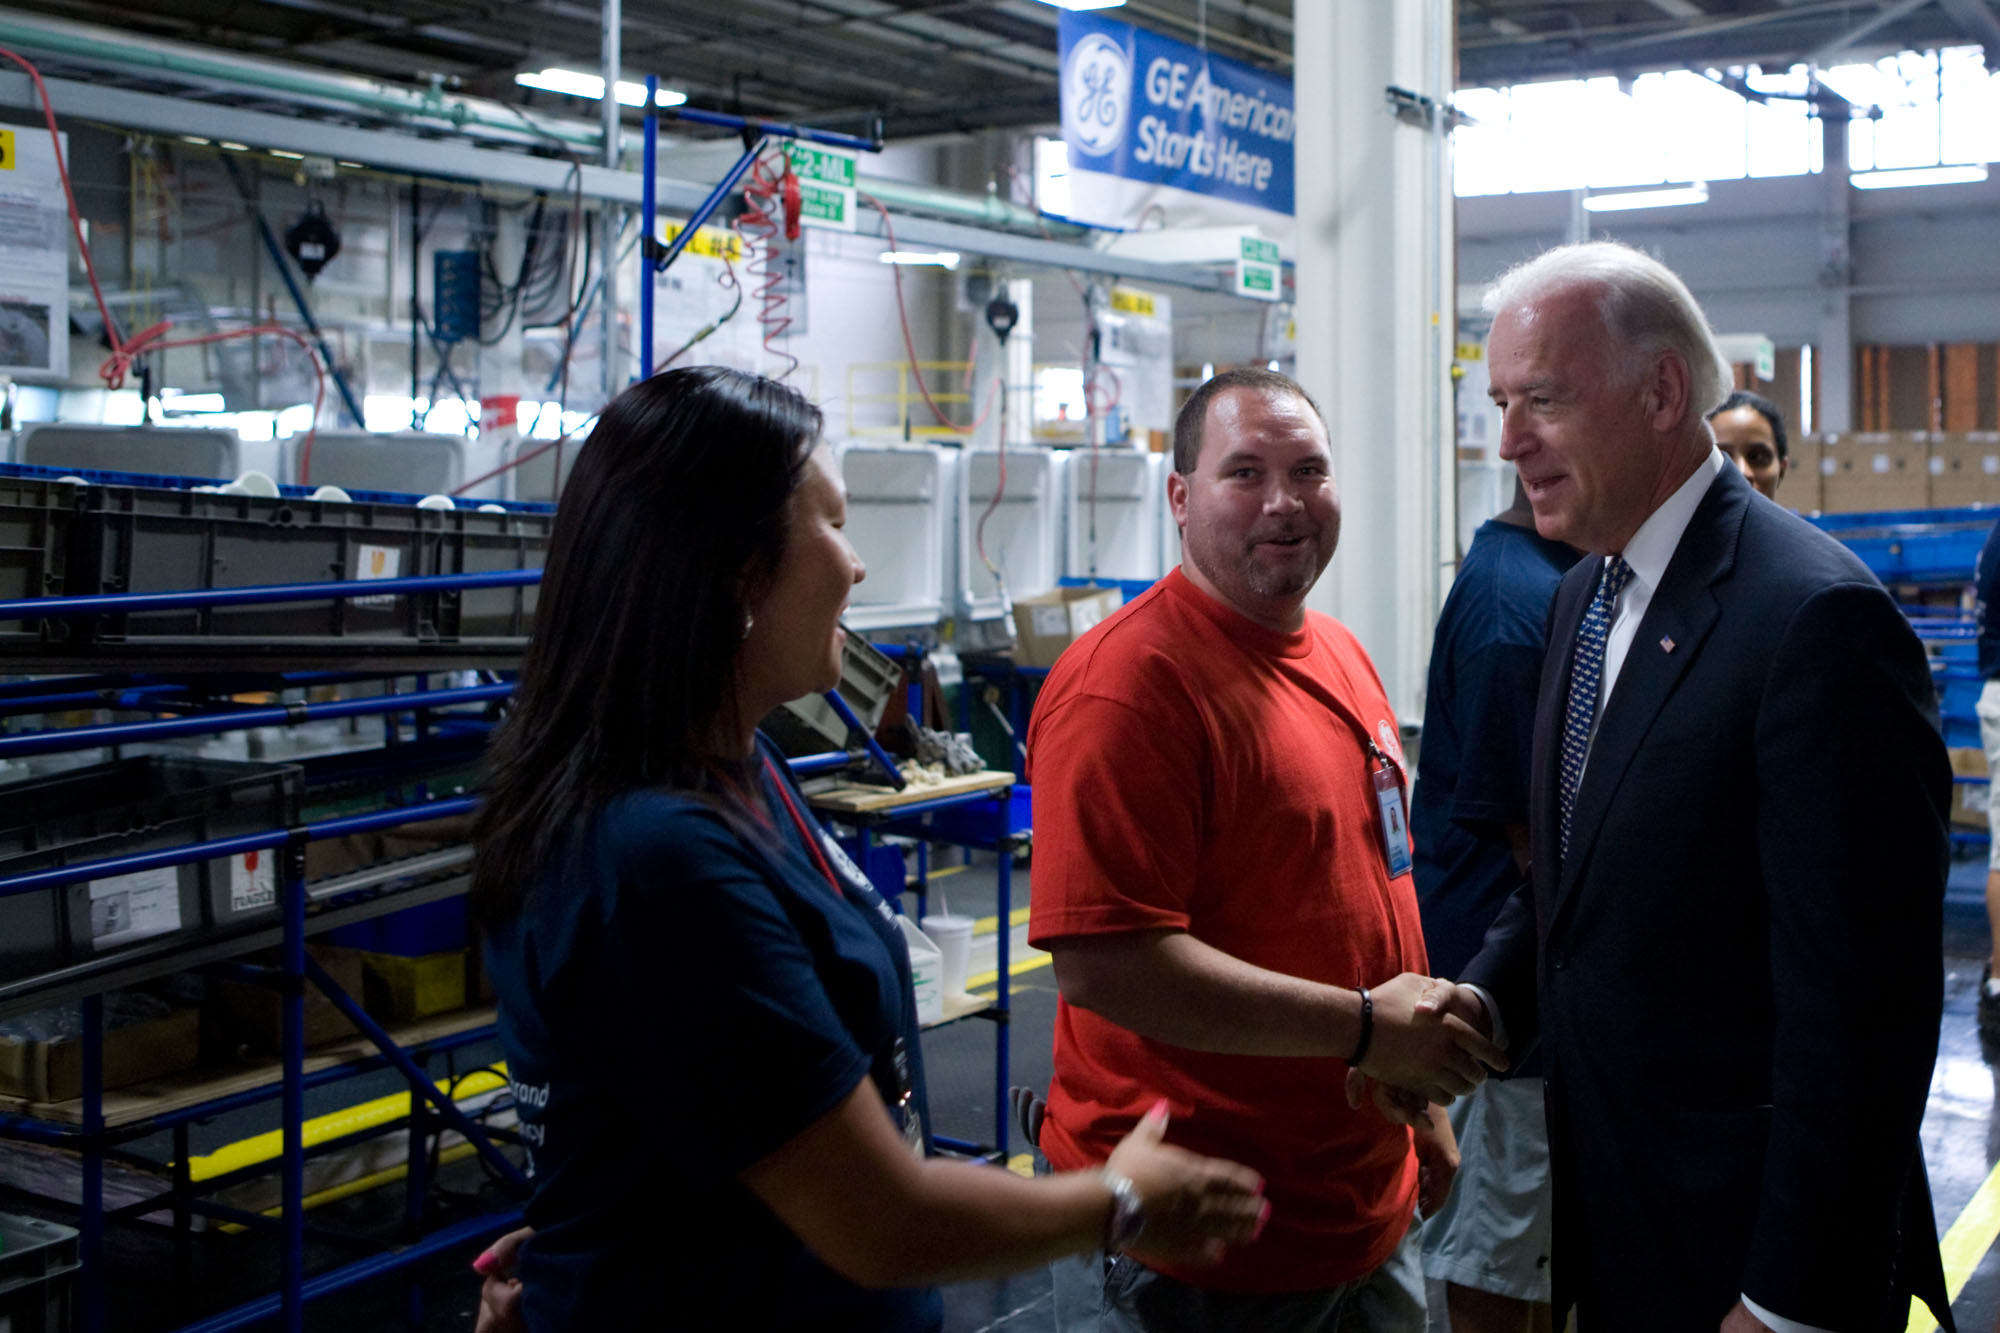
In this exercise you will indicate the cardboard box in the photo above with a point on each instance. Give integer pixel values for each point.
(357, 851)
(396, 989)
(1868, 472)
(45, 1071)
(1048, 622)
(1801, 488)
(245, 1018)
(1965, 469)
(1968, 799)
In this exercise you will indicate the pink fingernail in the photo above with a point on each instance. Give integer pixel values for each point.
(1159, 1107)
(1263, 1216)
(486, 1263)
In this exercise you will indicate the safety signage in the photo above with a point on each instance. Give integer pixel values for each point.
(826, 184)
(1153, 112)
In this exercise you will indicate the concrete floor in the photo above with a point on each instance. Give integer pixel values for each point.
(152, 1292)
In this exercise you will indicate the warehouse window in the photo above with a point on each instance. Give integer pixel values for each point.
(1685, 126)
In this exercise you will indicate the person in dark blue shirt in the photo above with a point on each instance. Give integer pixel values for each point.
(707, 1012)
(1469, 821)
(1986, 610)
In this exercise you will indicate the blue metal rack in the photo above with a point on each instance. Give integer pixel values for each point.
(981, 820)
(1938, 547)
(92, 1138)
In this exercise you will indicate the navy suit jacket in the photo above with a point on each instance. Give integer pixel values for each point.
(1735, 975)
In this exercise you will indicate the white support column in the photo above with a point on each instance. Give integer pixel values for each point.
(1834, 356)
(1376, 315)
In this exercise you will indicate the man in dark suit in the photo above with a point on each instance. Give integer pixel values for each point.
(1729, 948)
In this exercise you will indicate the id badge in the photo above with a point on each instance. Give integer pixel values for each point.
(1395, 827)
(905, 1109)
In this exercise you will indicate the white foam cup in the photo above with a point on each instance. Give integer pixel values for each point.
(953, 937)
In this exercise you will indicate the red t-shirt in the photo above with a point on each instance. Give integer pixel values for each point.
(1195, 771)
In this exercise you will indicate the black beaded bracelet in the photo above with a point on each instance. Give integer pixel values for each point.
(1367, 1028)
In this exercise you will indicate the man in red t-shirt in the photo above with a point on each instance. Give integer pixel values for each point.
(1221, 866)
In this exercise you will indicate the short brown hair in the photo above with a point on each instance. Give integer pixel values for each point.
(1189, 424)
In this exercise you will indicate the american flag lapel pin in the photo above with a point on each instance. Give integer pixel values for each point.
(1666, 643)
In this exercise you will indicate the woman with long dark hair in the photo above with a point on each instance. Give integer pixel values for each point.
(706, 1011)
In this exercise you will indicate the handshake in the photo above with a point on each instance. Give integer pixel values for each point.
(1430, 1043)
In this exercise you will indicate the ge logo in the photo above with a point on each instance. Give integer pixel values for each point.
(1096, 94)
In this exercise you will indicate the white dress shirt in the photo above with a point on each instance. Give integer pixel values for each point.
(1648, 553)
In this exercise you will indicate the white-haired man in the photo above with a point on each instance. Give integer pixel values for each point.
(1730, 946)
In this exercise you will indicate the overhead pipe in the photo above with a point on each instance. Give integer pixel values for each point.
(105, 47)
(102, 45)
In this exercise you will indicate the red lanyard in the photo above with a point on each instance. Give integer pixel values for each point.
(806, 829)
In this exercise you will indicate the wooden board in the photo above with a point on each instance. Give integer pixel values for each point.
(960, 1006)
(858, 800)
(176, 1092)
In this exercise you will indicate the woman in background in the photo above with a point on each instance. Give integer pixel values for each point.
(1749, 428)
(706, 1010)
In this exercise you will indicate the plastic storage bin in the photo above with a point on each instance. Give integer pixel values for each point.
(129, 806)
(434, 927)
(901, 502)
(1118, 535)
(1023, 534)
(37, 519)
(499, 619)
(38, 1265)
(129, 539)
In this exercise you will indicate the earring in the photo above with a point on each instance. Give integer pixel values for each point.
(749, 623)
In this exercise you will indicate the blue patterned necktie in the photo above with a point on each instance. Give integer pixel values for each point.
(1586, 670)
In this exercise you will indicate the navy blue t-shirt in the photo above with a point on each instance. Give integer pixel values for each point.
(1986, 589)
(676, 1002)
(1479, 723)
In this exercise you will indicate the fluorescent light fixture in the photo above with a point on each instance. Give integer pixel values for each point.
(1967, 173)
(935, 258)
(578, 84)
(1673, 196)
(1084, 4)
(279, 152)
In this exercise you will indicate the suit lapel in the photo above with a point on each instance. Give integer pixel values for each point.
(1669, 639)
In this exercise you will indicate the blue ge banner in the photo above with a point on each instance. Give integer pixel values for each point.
(1156, 114)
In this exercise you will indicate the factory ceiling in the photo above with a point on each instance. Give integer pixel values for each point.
(926, 67)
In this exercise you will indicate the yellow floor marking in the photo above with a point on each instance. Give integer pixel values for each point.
(360, 1185)
(986, 925)
(978, 981)
(1963, 1247)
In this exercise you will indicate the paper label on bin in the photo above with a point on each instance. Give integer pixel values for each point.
(1050, 621)
(125, 908)
(376, 562)
(251, 881)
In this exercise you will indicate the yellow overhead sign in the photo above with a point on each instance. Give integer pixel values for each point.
(1132, 301)
(709, 242)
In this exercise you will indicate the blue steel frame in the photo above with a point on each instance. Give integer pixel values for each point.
(989, 820)
(91, 1138)
(93, 1142)
(755, 134)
